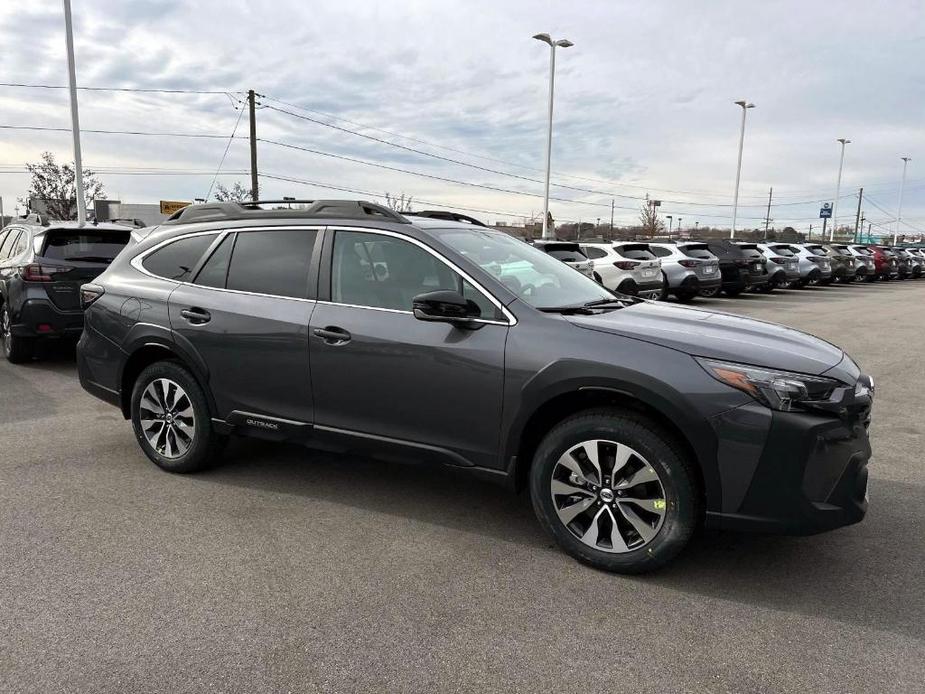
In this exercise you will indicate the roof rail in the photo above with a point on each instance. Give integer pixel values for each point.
(450, 216)
(324, 209)
(34, 218)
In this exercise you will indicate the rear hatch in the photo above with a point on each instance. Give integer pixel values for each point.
(68, 258)
(570, 254)
(784, 256)
(704, 264)
(819, 256)
(645, 266)
(756, 262)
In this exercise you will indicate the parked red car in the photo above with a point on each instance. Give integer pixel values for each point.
(886, 266)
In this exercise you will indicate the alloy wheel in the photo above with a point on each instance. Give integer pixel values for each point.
(167, 418)
(608, 496)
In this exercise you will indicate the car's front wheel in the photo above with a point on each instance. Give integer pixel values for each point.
(17, 350)
(171, 419)
(615, 490)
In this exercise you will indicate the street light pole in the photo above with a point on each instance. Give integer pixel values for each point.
(75, 120)
(902, 188)
(841, 163)
(735, 201)
(679, 227)
(669, 225)
(561, 43)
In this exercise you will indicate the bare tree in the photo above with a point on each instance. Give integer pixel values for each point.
(399, 203)
(55, 187)
(237, 193)
(651, 222)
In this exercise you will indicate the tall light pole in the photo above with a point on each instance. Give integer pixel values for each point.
(670, 220)
(679, 227)
(75, 121)
(902, 188)
(841, 162)
(561, 43)
(735, 201)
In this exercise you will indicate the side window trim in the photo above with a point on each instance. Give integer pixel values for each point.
(325, 275)
(138, 260)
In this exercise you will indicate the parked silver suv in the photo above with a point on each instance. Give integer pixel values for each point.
(815, 268)
(783, 264)
(864, 266)
(688, 268)
(626, 267)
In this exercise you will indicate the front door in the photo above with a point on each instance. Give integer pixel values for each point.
(383, 377)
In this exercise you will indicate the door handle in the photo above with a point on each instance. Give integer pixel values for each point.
(333, 335)
(196, 316)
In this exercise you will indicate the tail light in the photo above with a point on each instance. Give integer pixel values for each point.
(89, 293)
(626, 264)
(41, 273)
(688, 263)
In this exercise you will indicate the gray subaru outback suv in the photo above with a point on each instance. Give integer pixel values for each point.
(348, 327)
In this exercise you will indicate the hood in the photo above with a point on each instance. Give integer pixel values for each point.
(717, 335)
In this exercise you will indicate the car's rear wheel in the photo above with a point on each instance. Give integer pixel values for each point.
(172, 421)
(615, 491)
(663, 295)
(17, 350)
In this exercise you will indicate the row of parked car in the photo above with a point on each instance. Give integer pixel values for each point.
(687, 269)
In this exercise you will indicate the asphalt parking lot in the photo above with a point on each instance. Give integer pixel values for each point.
(287, 570)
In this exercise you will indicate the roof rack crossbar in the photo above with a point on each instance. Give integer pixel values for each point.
(450, 216)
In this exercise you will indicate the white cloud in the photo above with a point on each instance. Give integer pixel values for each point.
(644, 98)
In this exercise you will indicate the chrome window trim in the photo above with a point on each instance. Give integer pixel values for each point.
(511, 318)
(137, 261)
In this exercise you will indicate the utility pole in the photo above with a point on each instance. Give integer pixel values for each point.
(252, 109)
(824, 224)
(857, 218)
(857, 237)
(902, 187)
(810, 237)
(767, 219)
(75, 120)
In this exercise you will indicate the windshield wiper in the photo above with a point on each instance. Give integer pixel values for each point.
(589, 307)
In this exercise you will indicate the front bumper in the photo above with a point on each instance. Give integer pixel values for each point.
(40, 318)
(790, 472)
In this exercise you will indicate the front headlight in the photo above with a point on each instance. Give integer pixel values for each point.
(779, 390)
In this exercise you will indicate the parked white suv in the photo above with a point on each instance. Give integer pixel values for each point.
(626, 267)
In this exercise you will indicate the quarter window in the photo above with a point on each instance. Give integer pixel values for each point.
(272, 262)
(8, 242)
(176, 260)
(381, 271)
(20, 245)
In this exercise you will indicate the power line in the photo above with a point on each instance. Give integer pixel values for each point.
(225, 153)
(113, 132)
(149, 90)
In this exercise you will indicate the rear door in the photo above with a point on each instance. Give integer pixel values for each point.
(243, 303)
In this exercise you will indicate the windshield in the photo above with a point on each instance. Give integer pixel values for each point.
(534, 276)
(92, 245)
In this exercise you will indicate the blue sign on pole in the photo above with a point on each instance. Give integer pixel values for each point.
(826, 211)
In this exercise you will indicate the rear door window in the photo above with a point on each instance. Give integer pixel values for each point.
(89, 245)
(177, 260)
(274, 262)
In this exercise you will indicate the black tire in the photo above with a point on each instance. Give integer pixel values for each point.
(206, 444)
(629, 288)
(663, 295)
(683, 501)
(685, 297)
(17, 350)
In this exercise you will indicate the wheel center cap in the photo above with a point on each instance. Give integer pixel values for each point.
(169, 419)
(607, 495)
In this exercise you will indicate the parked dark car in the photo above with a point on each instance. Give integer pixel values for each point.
(843, 269)
(42, 266)
(349, 327)
(742, 265)
(905, 266)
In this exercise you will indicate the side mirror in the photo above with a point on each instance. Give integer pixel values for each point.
(445, 306)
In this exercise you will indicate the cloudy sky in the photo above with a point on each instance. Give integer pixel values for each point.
(643, 102)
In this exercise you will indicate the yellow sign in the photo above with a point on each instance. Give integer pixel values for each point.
(170, 206)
